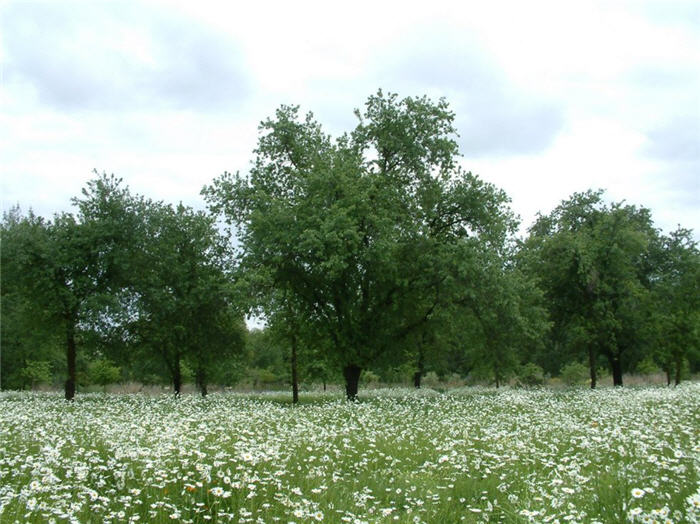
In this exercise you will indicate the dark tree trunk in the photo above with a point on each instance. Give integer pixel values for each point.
(497, 376)
(667, 370)
(70, 361)
(616, 367)
(177, 376)
(202, 381)
(324, 384)
(592, 365)
(679, 365)
(416, 379)
(420, 364)
(295, 375)
(352, 379)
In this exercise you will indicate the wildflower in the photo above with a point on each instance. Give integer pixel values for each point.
(216, 491)
(637, 493)
(694, 501)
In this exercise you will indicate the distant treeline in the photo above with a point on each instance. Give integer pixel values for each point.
(374, 252)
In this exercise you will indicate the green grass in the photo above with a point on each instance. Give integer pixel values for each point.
(477, 455)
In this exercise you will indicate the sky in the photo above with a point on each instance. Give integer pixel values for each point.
(550, 97)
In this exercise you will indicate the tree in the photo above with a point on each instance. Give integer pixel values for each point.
(502, 313)
(266, 357)
(69, 267)
(591, 260)
(676, 314)
(37, 372)
(185, 309)
(103, 372)
(362, 231)
(27, 331)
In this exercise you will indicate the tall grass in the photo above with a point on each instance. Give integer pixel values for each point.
(476, 455)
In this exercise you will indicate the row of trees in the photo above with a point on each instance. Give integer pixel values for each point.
(373, 251)
(142, 283)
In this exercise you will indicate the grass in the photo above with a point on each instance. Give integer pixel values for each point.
(476, 455)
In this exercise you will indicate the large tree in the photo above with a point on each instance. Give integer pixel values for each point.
(591, 260)
(675, 315)
(69, 268)
(363, 231)
(185, 307)
(507, 316)
(28, 333)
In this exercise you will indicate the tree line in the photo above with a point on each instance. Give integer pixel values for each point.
(372, 252)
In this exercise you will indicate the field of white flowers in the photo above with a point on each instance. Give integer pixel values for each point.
(473, 455)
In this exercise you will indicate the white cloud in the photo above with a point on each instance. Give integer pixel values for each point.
(550, 97)
(119, 56)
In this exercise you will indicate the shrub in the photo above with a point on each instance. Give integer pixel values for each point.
(431, 379)
(574, 373)
(647, 366)
(531, 374)
(103, 372)
(370, 378)
(36, 372)
(265, 377)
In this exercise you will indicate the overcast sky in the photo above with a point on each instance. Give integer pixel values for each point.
(550, 97)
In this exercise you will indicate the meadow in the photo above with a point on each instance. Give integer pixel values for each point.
(398, 455)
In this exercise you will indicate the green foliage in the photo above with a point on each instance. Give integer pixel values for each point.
(357, 237)
(184, 306)
(68, 269)
(125, 278)
(373, 251)
(36, 372)
(591, 260)
(647, 366)
(186, 373)
(431, 380)
(502, 316)
(103, 372)
(267, 357)
(530, 374)
(369, 377)
(674, 323)
(574, 373)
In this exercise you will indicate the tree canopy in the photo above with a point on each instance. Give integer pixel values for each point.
(591, 259)
(372, 252)
(363, 231)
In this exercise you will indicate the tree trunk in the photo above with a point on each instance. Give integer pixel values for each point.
(420, 364)
(679, 365)
(177, 376)
(295, 375)
(352, 379)
(70, 360)
(202, 381)
(616, 367)
(591, 366)
(416, 379)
